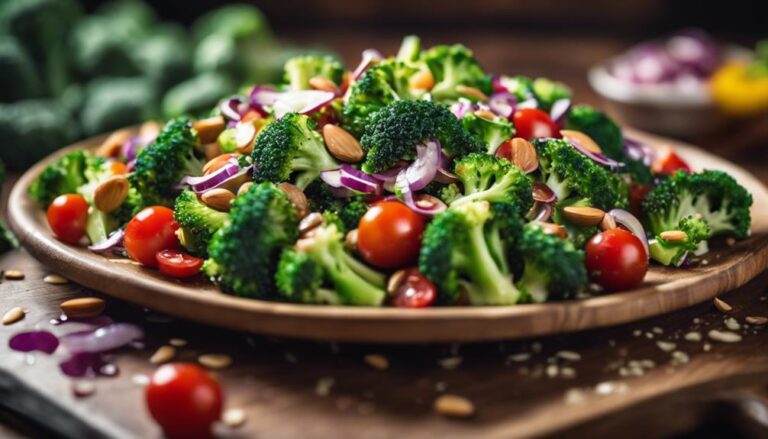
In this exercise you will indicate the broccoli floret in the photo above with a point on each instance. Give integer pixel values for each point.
(243, 255)
(32, 129)
(349, 210)
(319, 261)
(547, 92)
(300, 69)
(464, 247)
(101, 46)
(17, 72)
(492, 179)
(161, 165)
(713, 196)
(165, 57)
(393, 133)
(291, 147)
(65, 176)
(198, 222)
(571, 174)
(196, 96)
(554, 267)
(410, 49)
(112, 103)
(601, 128)
(236, 20)
(520, 86)
(452, 66)
(491, 133)
(673, 253)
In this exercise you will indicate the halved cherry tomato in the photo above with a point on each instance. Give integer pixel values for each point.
(637, 193)
(616, 259)
(389, 235)
(668, 163)
(68, 216)
(185, 400)
(176, 263)
(416, 291)
(532, 123)
(151, 230)
(118, 168)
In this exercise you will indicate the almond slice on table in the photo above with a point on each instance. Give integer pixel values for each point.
(110, 194)
(111, 146)
(454, 406)
(208, 130)
(83, 307)
(13, 315)
(341, 144)
(582, 139)
(583, 216)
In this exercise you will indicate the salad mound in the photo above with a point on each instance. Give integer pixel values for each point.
(414, 180)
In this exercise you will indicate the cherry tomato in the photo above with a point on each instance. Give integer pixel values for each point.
(176, 263)
(68, 216)
(185, 400)
(118, 168)
(668, 163)
(389, 235)
(416, 291)
(616, 259)
(151, 230)
(531, 123)
(637, 193)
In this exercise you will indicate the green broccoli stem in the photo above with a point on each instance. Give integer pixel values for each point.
(559, 187)
(534, 283)
(497, 192)
(489, 284)
(314, 158)
(370, 275)
(665, 254)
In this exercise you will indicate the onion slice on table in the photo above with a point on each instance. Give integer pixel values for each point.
(105, 338)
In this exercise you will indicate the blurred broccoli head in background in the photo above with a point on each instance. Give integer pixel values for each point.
(111, 103)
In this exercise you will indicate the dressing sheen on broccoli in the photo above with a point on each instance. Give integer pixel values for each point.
(243, 255)
(394, 131)
(320, 270)
(198, 222)
(161, 165)
(493, 179)
(291, 148)
(712, 196)
(672, 253)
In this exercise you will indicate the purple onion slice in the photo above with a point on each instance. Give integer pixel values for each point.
(263, 96)
(422, 203)
(462, 107)
(302, 102)
(359, 181)
(203, 183)
(632, 224)
(423, 170)
(369, 57)
(639, 151)
(503, 104)
(559, 111)
(113, 244)
(332, 178)
(30, 341)
(540, 211)
(597, 157)
(105, 338)
(230, 109)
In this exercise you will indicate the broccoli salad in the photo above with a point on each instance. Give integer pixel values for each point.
(414, 180)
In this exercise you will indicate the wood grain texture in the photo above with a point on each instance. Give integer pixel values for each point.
(663, 291)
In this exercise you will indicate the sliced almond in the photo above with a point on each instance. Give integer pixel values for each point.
(83, 307)
(377, 361)
(211, 150)
(485, 114)
(350, 240)
(13, 275)
(542, 192)
(472, 92)
(163, 354)
(583, 216)
(674, 236)
(454, 406)
(177, 342)
(554, 229)
(297, 197)
(722, 305)
(208, 130)
(110, 194)
(341, 144)
(55, 279)
(234, 183)
(756, 320)
(523, 155)
(324, 84)
(394, 282)
(608, 222)
(215, 361)
(219, 199)
(111, 146)
(421, 80)
(13, 315)
(217, 163)
(309, 222)
(244, 188)
(582, 139)
(245, 135)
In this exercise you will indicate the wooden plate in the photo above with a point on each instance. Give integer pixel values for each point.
(664, 290)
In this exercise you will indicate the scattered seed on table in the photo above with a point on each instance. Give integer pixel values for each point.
(454, 406)
(450, 363)
(666, 346)
(178, 342)
(13, 315)
(377, 361)
(724, 336)
(233, 417)
(722, 305)
(569, 355)
(323, 386)
(567, 372)
(519, 358)
(215, 361)
(14, 275)
(693, 336)
(163, 354)
(83, 389)
(732, 324)
(55, 279)
(757, 320)
(140, 380)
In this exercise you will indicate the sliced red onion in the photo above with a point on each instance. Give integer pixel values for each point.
(102, 339)
(263, 96)
(445, 177)
(130, 148)
(462, 107)
(543, 193)
(113, 244)
(559, 111)
(205, 182)
(359, 181)
(369, 57)
(530, 102)
(301, 101)
(332, 178)
(131, 165)
(231, 109)
(503, 104)
(540, 211)
(423, 170)
(639, 151)
(498, 86)
(421, 203)
(629, 221)
(30, 341)
(389, 175)
(596, 157)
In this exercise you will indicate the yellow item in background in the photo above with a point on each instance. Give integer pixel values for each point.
(738, 92)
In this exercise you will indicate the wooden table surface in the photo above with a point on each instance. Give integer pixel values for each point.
(627, 380)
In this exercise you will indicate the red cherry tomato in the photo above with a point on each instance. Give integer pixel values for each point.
(389, 235)
(68, 216)
(176, 263)
(416, 291)
(151, 230)
(668, 163)
(185, 400)
(531, 123)
(637, 193)
(616, 259)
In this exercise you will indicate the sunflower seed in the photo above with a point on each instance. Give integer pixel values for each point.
(14, 275)
(454, 406)
(215, 361)
(163, 354)
(724, 336)
(55, 279)
(13, 315)
(377, 361)
(722, 305)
